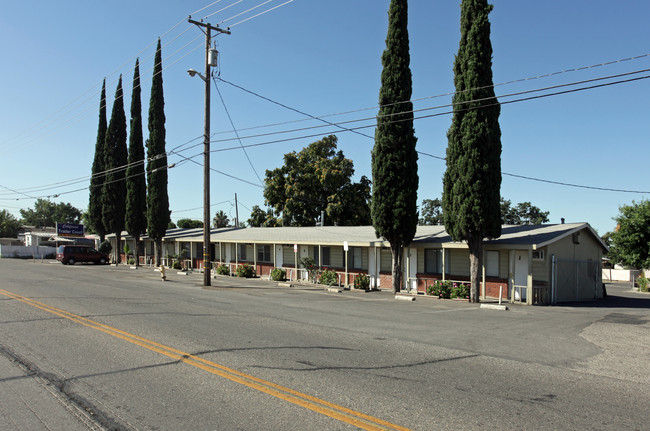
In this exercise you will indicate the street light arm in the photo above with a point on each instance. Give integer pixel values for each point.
(193, 72)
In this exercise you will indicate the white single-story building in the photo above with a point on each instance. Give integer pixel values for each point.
(534, 264)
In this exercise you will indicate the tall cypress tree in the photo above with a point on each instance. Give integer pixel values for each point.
(394, 159)
(157, 198)
(114, 193)
(472, 181)
(136, 190)
(97, 178)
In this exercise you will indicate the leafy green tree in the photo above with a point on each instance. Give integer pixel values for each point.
(136, 189)
(47, 214)
(472, 181)
(316, 179)
(523, 213)
(171, 225)
(186, 223)
(630, 242)
(258, 217)
(271, 219)
(115, 157)
(394, 158)
(9, 225)
(96, 188)
(158, 214)
(220, 220)
(431, 212)
(88, 227)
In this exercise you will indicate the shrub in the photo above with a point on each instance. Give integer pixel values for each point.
(131, 261)
(460, 290)
(105, 247)
(311, 268)
(245, 270)
(643, 284)
(328, 277)
(223, 270)
(278, 274)
(362, 281)
(441, 289)
(176, 265)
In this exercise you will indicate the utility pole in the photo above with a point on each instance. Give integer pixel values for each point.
(236, 213)
(207, 250)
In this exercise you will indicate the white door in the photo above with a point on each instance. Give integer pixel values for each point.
(278, 256)
(413, 268)
(372, 267)
(521, 274)
(304, 252)
(409, 268)
(228, 253)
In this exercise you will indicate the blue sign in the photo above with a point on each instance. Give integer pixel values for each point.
(69, 229)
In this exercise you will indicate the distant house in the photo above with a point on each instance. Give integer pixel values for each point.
(539, 264)
(35, 237)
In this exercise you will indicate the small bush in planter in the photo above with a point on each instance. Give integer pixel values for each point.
(362, 281)
(223, 270)
(278, 274)
(176, 265)
(311, 268)
(328, 277)
(131, 261)
(441, 289)
(460, 290)
(245, 270)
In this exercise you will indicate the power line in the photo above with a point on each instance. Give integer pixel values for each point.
(506, 102)
(205, 7)
(63, 111)
(235, 130)
(338, 124)
(293, 109)
(246, 11)
(221, 10)
(219, 172)
(261, 13)
(606, 189)
(352, 129)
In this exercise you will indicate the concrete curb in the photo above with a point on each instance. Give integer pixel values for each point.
(494, 307)
(285, 285)
(334, 290)
(405, 298)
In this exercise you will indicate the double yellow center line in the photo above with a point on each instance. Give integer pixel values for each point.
(323, 407)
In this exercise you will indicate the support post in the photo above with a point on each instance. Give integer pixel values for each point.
(206, 153)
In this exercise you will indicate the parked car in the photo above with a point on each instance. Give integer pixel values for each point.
(69, 254)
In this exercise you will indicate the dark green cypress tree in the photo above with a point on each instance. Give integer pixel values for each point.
(136, 189)
(472, 181)
(394, 159)
(157, 198)
(114, 194)
(97, 178)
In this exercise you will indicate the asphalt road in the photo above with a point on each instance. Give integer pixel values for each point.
(100, 347)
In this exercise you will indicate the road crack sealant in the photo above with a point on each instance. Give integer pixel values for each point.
(87, 413)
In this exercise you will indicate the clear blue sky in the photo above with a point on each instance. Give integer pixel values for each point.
(323, 57)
